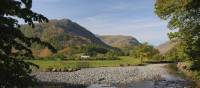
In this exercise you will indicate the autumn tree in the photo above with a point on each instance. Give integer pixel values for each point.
(14, 72)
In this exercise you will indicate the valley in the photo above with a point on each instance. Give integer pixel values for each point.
(86, 60)
(99, 44)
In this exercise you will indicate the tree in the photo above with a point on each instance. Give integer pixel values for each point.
(144, 51)
(184, 17)
(93, 50)
(14, 72)
(111, 54)
(176, 54)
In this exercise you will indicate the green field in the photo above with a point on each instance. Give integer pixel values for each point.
(124, 61)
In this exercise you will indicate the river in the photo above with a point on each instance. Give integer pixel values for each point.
(149, 76)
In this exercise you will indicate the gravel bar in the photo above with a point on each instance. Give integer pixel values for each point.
(149, 76)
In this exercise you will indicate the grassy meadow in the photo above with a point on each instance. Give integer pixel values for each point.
(123, 61)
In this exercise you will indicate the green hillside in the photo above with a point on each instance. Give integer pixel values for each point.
(62, 33)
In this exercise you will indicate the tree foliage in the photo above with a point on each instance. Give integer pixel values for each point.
(145, 51)
(14, 72)
(184, 17)
(93, 50)
(176, 54)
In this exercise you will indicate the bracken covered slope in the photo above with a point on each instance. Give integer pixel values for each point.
(119, 41)
(62, 33)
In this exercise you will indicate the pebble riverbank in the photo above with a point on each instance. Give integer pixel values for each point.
(149, 76)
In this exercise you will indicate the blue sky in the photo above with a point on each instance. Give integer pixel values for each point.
(109, 17)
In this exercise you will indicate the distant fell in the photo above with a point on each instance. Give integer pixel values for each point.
(165, 47)
(119, 41)
(63, 33)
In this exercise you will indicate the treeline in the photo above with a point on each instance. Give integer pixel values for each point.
(94, 52)
(144, 52)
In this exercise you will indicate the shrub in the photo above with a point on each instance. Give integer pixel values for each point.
(58, 57)
(128, 64)
(65, 69)
(196, 75)
(195, 65)
(121, 65)
(71, 57)
(157, 57)
(49, 69)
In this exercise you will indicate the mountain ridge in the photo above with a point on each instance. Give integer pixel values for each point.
(167, 46)
(62, 33)
(119, 41)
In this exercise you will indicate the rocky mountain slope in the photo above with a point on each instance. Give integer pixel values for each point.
(165, 47)
(119, 41)
(63, 33)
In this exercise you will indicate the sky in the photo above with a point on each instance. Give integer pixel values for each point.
(109, 17)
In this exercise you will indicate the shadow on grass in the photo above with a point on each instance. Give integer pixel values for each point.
(159, 62)
(141, 64)
(59, 85)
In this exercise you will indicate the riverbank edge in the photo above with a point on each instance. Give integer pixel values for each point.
(177, 69)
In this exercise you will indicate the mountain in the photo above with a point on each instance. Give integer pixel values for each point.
(165, 47)
(62, 33)
(119, 41)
